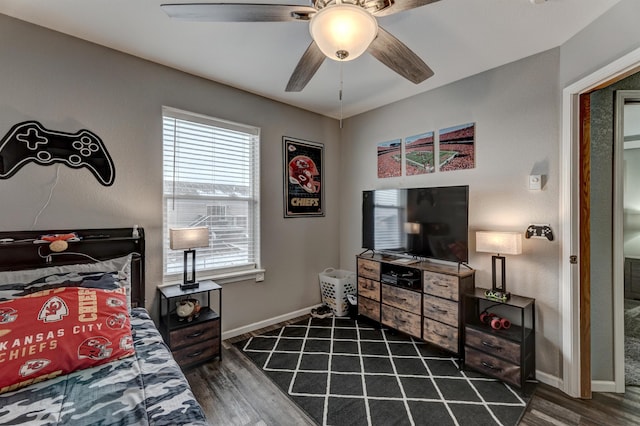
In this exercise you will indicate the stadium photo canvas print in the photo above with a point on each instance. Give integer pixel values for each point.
(303, 174)
(419, 155)
(390, 158)
(457, 147)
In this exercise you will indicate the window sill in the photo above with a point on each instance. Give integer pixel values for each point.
(228, 277)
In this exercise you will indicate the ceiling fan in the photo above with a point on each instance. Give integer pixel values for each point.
(341, 30)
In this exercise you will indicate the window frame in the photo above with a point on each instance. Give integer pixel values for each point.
(227, 273)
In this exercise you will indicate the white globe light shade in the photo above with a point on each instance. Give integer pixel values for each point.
(343, 29)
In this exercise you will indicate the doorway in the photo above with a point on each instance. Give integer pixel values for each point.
(576, 349)
(627, 238)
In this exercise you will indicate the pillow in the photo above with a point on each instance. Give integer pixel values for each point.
(107, 274)
(55, 332)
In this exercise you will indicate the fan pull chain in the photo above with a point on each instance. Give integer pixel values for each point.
(340, 94)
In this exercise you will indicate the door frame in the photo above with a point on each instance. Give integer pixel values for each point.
(571, 297)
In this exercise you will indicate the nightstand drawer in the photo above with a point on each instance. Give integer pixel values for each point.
(193, 334)
(197, 353)
(401, 320)
(493, 345)
(441, 334)
(369, 288)
(369, 308)
(400, 298)
(442, 310)
(441, 285)
(369, 269)
(492, 366)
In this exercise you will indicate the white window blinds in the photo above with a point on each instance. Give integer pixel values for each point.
(211, 177)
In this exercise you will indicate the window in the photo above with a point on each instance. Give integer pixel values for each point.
(389, 218)
(211, 176)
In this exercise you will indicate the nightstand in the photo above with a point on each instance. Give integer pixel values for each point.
(506, 354)
(196, 341)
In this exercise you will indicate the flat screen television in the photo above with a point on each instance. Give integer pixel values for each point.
(422, 222)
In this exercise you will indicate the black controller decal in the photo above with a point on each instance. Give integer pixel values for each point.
(30, 142)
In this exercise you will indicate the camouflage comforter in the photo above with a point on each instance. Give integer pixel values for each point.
(145, 389)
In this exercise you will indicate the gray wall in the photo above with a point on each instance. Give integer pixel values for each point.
(516, 113)
(68, 84)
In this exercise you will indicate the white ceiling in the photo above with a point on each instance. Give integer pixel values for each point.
(456, 38)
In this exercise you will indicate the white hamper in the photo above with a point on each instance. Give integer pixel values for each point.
(335, 284)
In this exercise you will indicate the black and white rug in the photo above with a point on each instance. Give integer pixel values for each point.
(346, 372)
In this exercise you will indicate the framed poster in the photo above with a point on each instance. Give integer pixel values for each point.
(458, 147)
(303, 192)
(418, 152)
(390, 158)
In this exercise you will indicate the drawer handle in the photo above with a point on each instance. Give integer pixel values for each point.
(441, 335)
(196, 334)
(489, 345)
(436, 308)
(441, 285)
(492, 367)
(195, 354)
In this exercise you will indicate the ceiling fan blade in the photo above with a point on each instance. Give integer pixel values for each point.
(401, 5)
(306, 68)
(238, 12)
(397, 56)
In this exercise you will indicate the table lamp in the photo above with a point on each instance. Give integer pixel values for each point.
(188, 239)
(500, 243)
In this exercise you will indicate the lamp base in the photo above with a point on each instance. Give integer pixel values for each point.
(189, 286)
(497, 295)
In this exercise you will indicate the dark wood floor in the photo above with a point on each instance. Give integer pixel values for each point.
(235, 392)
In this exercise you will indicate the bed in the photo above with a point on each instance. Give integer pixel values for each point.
(111, 365)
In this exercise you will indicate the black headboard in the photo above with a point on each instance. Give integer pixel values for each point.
(101, 244)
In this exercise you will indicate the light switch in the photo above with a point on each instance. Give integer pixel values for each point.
(535, 182)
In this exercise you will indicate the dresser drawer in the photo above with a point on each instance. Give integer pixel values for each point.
(196, 353)
(441, 285)
(369, 308)
(369, 288)
(492, 366)
(401, 320)
(400, 298)
(493, 345)
(442, 335)
(194, 334)
(442, 310)
(369, 269)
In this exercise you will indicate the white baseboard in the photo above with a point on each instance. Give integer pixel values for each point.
(262, 324)
(603, 386)
(548, 379)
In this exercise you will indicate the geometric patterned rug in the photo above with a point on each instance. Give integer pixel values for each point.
(347, 372)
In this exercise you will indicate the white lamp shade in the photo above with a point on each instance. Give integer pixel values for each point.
(343, 28)
(499, 242)
(412, 228)
(188, 238)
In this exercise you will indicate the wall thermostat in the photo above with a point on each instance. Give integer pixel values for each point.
(535, 182)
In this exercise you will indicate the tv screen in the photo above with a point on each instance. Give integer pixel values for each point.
(422, 222)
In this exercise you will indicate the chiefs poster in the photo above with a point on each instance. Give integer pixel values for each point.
(303, 191)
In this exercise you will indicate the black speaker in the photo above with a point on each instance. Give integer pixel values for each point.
(367, 220)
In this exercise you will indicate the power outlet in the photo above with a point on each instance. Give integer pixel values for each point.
(535, 182)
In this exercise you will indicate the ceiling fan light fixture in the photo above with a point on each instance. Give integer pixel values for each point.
(343, 31)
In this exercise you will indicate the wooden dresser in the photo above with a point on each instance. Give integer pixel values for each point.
(421, 299)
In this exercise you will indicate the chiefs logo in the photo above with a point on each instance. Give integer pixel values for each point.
(33, 366)
(8, 315)
(95, 348)
(53, 310)
(112, 301)
(126, 343)
(116, 321)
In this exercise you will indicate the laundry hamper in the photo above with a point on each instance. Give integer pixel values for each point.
(335, 284)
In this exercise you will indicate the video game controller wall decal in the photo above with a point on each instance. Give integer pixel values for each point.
(30, 142)
(539, 231)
